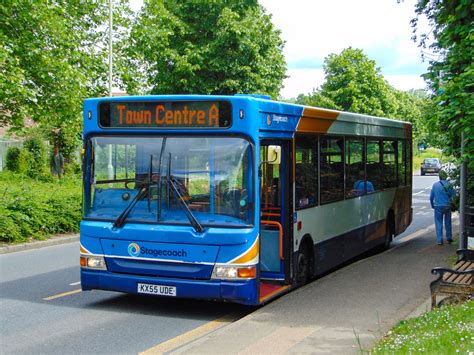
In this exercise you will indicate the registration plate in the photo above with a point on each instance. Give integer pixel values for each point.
(161, 290)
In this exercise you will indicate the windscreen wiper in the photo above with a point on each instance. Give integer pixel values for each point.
(158, 212)
(197, 226)
(121, 219)
(171, 183)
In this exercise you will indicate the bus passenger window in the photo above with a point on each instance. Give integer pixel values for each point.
(373, 166)
(389, 164)
(332, 169)
(355, 169)
(408, 154)
(306, 184)
(401, 163)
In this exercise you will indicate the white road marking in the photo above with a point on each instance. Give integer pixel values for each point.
(420, 192)
(75, 283)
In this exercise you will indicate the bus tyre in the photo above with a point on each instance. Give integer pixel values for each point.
(388, 236)
(302, 266)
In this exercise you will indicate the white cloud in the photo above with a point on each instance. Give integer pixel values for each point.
(314, 29)
(405, 82)
(301, 81)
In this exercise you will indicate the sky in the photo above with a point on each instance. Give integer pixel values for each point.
(313, 29)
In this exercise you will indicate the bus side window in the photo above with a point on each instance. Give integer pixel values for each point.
(373, 166)
(306, 184)
(355, 169)
(389, 164)
(332, 169)
(401, 163)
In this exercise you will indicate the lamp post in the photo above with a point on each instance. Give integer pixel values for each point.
(110, 167)
(462, 199)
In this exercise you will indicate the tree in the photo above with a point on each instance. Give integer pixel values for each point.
(451, 74)
(317, 98)
(214, 47)
(355, 84)
(52, 56)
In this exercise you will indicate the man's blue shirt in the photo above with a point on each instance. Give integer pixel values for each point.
(439, 197)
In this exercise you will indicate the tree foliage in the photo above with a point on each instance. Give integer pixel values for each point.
(451, 74)
(52, 56)
(203, 47)
(354, 83)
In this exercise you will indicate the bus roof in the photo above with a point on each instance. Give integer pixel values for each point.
(283, 116)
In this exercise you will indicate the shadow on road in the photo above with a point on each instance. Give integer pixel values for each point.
(35, 289)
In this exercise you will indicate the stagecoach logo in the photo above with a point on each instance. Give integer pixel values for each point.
(133, 249)
(277, 119)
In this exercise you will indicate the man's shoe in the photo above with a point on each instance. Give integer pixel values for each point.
(450, 241)
(440, 243)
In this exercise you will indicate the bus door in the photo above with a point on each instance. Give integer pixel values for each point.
(275, 214)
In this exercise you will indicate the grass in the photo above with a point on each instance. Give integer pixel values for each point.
(37, 209)
(447, 330)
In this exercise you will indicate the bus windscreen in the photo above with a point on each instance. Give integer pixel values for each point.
(171, 114)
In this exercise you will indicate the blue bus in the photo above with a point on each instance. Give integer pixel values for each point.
(234, 198)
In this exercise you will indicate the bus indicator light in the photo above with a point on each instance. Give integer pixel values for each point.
(83, 261)
(248, 272)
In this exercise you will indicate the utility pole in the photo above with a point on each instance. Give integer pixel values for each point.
(462, 199)
(110, 167)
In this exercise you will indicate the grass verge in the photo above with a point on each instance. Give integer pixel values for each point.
(36, 209)
(447, 330)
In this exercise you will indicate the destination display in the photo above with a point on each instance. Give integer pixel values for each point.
(174, 114)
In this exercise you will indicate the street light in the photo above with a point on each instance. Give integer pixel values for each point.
(110, 168)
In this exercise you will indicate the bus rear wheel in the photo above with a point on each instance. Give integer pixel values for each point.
(302, 268)
(388, 236)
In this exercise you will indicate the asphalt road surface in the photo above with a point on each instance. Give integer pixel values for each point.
(42, 309)
(422, 213)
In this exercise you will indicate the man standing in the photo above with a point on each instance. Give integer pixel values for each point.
(440, 199)
(57, 163)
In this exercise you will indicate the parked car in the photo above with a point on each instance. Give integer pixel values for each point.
(430, 165)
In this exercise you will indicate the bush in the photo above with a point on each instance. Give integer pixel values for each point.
(33, 208)
(17, 160)
(37, 150)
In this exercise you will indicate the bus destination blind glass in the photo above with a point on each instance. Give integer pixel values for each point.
(155, 115)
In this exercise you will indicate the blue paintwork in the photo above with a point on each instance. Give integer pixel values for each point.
(245, 292)
(270, 250)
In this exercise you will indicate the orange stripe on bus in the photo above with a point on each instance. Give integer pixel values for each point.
(249, 255)
(316, 120)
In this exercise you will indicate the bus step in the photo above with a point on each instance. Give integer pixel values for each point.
(270, 290)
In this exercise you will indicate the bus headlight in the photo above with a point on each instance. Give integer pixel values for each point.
(93, 262)
(228, 272)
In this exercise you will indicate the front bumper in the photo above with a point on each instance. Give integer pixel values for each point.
(242, 291)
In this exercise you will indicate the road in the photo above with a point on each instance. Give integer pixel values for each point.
(43, 310)
(422, 212)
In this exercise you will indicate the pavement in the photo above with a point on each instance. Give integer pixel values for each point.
(36, 244)
(345, 312)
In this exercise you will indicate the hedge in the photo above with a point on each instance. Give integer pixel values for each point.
(37, 209)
